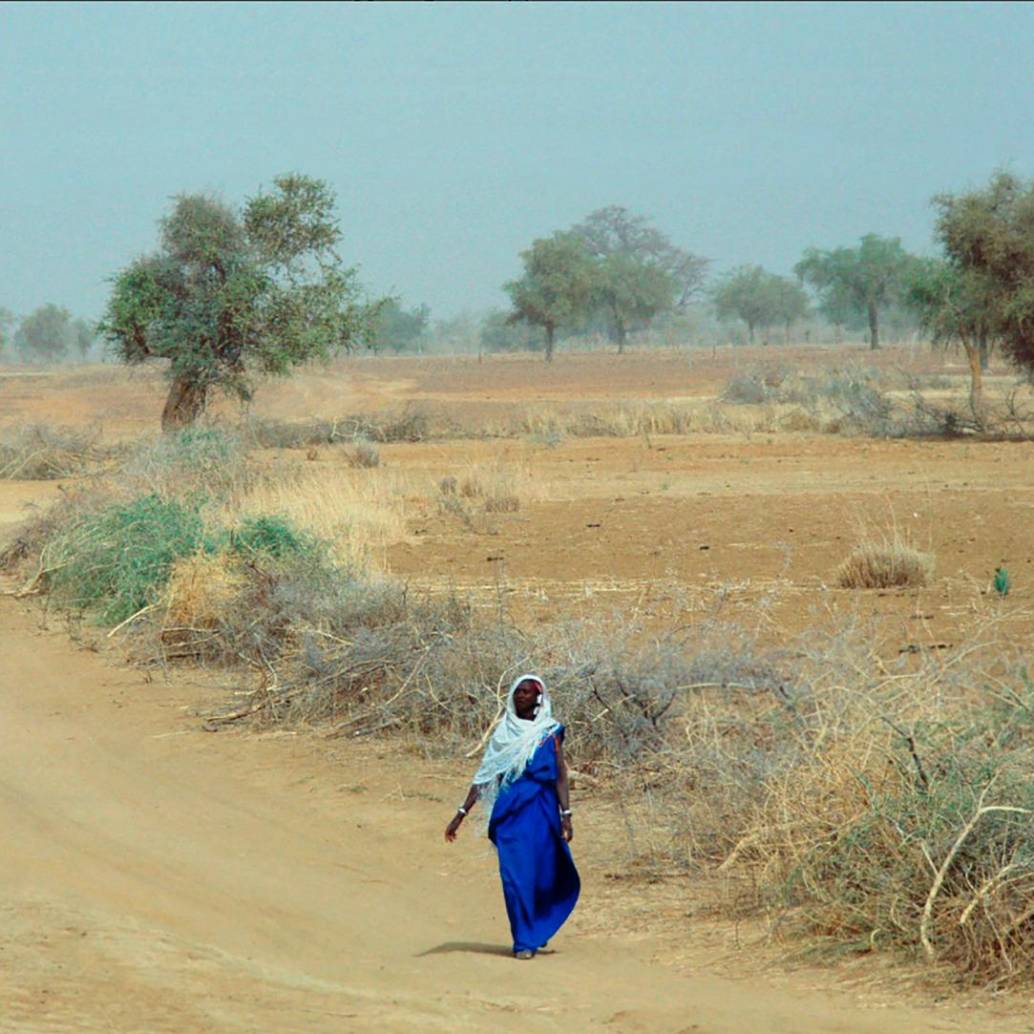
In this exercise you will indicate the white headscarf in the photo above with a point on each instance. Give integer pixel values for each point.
(513, 743)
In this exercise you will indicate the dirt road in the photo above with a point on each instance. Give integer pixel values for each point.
(154, 877)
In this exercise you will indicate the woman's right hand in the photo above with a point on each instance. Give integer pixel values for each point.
(453, 827)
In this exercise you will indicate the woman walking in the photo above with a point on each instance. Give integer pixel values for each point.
(522, 782)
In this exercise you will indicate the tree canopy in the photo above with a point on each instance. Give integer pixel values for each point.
(638, 272)
(759, 298)
(46, 334)
(988, 239)
(956, 307)
(398, 329)
(864, 280)
(556, 286)
(232, 294)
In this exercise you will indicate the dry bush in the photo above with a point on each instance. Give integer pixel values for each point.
(200, 462)
(201, 589)
(26, 553)
(40, 452)
(903, 818)
(365, 454)
(410, 424)
(887, 562)
(499, 487)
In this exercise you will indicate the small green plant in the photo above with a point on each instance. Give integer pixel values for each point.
(116, 562)
(272, 536)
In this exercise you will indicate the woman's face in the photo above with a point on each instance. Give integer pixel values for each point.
(525, 697)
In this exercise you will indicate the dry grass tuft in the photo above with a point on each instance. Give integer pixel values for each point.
(887, 563)
(200, 590)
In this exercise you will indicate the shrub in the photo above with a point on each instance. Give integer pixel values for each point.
(273, 536)
(116, 562)
(887, 563)
(746, 388)
(365, 454)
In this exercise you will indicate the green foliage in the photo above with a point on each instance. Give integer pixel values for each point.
(760, 299)
(398, 329)
(988, 234)
(272, 536)
(45, 335)
(631, 292)
(611, 270)
(556, 287)
(115, 562)
(85, 336)
(639, 273)
(953, 304)
(614, 230)
(862, 280)
(231, 295)
(500, 333)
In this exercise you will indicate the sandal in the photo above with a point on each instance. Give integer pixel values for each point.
(524, 953)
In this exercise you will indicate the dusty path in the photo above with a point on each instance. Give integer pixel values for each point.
(154, 877)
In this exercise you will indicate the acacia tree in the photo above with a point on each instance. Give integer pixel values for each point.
(615, 230)
(790, 303)
(46, 334)
(631, 293)
(556, 286)
(956, 306)
(989, 235)
(639, 272)
(759, 298)
(867, 278)
(85, 334)
(230, 295)
(397, 328)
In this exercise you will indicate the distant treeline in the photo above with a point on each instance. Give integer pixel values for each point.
(49, 334)
(616, 278)
(233, 292)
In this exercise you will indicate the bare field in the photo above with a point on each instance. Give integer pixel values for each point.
(674, 524)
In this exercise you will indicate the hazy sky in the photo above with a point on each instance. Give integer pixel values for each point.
(454, 134)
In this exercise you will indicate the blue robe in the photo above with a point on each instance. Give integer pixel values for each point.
(540, 882)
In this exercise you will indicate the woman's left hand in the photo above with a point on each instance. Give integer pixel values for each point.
(566, 829)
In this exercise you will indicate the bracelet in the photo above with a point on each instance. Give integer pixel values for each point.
(565, 813)
(461, 810)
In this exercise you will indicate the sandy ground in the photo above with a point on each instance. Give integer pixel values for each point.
(156, 877)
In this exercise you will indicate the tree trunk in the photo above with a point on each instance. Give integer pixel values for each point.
(874, 327)
(622, 335)
(985, 350)
(974, 354)
(750, 331)
(184, 404)
(550, 334)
